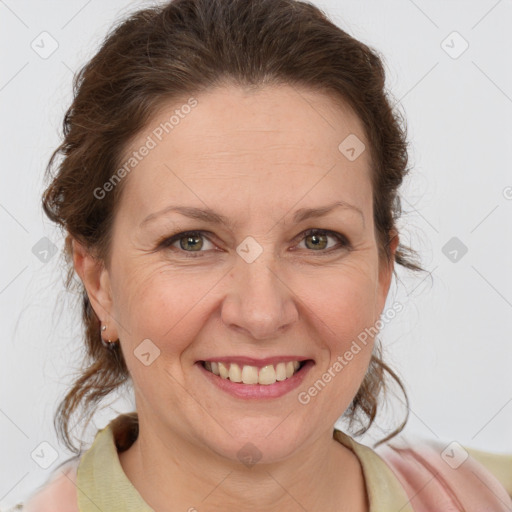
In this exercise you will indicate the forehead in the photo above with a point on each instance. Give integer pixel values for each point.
(254, 146)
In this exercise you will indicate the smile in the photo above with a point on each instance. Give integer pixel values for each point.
(249, 381)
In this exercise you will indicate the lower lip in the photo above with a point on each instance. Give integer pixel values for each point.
(258, 391)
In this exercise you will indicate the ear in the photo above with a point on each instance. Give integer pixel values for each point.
(96, 280)
(386, 272)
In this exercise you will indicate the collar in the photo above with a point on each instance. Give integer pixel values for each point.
(105, 486)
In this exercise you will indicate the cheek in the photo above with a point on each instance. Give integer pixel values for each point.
(342, 315)
(161, 304)
(341, 312)
(158, 320)
(342, 299)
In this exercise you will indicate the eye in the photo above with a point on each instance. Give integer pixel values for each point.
(318, 240)
(188, 241)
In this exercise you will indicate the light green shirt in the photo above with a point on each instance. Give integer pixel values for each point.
(105, 486)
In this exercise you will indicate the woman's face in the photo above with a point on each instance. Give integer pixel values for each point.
(253, 288)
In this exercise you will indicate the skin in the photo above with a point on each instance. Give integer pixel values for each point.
(255, 157)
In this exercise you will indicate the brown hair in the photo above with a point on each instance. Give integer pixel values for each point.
(162, 53)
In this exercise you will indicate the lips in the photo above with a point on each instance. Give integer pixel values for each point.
(250, 388)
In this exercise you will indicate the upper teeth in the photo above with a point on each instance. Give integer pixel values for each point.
(268, 374)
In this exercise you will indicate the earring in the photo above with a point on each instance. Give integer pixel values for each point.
(107, 343)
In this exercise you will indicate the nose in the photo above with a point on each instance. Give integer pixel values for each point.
(258, 302)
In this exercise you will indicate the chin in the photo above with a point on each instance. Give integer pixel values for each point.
(258, 440)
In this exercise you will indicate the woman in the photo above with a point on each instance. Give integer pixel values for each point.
(229, 187)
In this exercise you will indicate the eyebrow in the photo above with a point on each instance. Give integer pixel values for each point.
(212, 217)
(307, 213)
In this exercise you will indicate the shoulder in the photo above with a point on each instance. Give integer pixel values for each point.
(499, 464)
(430, 468)
(58, 492)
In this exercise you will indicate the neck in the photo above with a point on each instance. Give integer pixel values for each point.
(172, 474)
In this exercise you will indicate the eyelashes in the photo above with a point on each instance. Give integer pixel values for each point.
(195, 236)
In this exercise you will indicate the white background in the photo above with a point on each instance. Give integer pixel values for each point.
(451, 344)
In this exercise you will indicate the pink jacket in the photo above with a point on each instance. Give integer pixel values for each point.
(444, 478)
